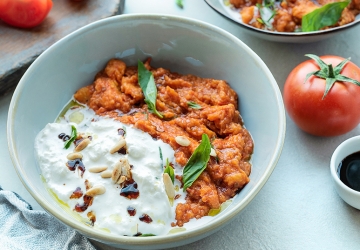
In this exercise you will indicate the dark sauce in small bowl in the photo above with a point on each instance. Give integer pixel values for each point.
(349, 171)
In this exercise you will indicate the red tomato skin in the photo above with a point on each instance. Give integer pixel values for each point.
(336, 114)
(24, 13)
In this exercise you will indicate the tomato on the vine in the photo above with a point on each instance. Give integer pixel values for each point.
(24, 13)
(322, 95)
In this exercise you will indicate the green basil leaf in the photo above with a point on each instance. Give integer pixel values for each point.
(170, 171)
(197, 162)
(72, 137)
(180, 3)
(194, 105)
(326, 15)
(148, 87)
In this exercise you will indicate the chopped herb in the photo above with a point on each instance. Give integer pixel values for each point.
(326, 15)
(194, 105)
(260, 20)
(147, 235)
(161, 156)
(197, 162)
(170, 171)
(72, 138)
(267, 12)
(148, 87)
(180, 3)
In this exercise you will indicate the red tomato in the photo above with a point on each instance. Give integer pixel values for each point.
(24, 13)
(335, 114)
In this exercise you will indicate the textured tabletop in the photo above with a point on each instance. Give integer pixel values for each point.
(298, 207)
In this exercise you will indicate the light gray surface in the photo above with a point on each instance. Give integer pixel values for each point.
(298, 207)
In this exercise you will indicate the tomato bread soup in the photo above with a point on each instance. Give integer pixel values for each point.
(295, 15)
(117, 94)
(206, 161)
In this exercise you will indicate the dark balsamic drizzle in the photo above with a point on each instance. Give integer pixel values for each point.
(145, 218)
(121, 132)
(122, 151)
(60, 136)
(87, 202)
(77, 163)
(64, 137)
(130, 190)
(131, 210)
(92, 217)
(77, 193)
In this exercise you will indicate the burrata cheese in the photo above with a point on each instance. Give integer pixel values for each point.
(151, 212)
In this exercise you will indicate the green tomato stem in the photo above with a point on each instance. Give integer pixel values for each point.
(331, 71)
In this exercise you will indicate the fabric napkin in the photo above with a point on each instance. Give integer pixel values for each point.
(24, 228)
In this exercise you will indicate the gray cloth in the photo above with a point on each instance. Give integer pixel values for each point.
(24, 228)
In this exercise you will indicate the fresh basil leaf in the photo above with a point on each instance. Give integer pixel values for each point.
(194, 105)
(72, 137)
(180, 3)
(170, 171)
(326, 15)
(197, 162)
(148, 87)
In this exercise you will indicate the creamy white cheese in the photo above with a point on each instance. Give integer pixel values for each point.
(110, 208)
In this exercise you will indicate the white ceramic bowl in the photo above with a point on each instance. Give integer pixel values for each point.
(285, 37)
(348, 147)
(180, 44)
